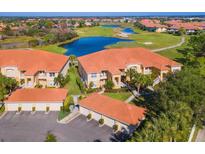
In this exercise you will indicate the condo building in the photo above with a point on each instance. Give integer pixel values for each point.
(112, 64)
(32, 67)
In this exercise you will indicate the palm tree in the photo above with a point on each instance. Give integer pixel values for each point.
(130, 73)
(72, 59)
(141, 80)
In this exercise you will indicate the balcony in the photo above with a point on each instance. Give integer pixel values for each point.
(103, 76)
(41, 76)
(147, 71)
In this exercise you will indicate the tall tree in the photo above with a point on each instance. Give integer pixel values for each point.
(197, 43)
(7, 85)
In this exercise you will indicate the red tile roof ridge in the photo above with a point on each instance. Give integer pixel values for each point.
(116, 109)
(37, 95)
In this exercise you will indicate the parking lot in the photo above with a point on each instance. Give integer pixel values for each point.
(27, 127)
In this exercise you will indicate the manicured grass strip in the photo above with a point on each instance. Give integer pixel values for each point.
(2, 109)
(17, 39)
(72, 86)
(95, 31)
(53, 48)
(171, 53)
(151, 40)
(62, 114)
(175, 53)
(120, 96)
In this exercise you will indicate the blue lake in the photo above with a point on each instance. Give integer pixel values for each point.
(128, 31)
(87, 45)
(110, 26)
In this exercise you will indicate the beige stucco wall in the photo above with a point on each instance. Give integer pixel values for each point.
(160, 30)
(28, 106)
(107, 120)
(176, 68)
(65, 68)
(12, 71)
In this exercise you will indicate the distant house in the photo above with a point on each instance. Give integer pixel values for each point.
(190, 27)
(33, 67)
(112, 64)
(114, 112)
(36, 99)
(153, 25)
(88, 24)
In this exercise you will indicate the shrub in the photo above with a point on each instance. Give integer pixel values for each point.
(47, 109)
(33, 109)
(50, 137)
(93, 90)
(91, 84)
(61, 80)
(22, 81)
(33, 43)
(80, 84)
(101, 121)
(109, 84)
(38, 85)
(80, 97)
(2, 109)
(68, 101)
(115, 127)
(19, 109)
(62, 114)
(117, 90)
(89, 116)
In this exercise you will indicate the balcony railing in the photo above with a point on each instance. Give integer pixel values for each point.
(103, 76)
(147, 71)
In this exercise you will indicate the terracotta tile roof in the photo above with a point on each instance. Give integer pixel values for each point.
(37, 95)
(152, 23)
(177, 24)
(113, 60)
(115, 109)
(32, 61)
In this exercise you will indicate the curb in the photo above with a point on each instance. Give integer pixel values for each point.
(66, 122)
(3, 114)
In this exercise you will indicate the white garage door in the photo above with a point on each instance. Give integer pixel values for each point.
(29, 106)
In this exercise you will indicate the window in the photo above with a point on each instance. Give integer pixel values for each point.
(10, 72)
(51, 83)
(93, 75)
(52, 74)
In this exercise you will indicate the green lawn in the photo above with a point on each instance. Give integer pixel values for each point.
(171, 53)
(53, 48)
(149, 40)
(62, 114)
(175, 52)
(95, 31)
(120, 95)
(17, 39)
(72, 86)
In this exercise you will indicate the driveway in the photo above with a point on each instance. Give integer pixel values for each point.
(27, 127)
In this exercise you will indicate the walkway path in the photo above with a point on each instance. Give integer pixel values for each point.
(171, 47)
(192, 133)
(130, 99)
